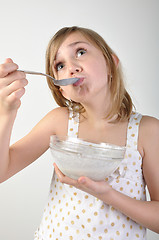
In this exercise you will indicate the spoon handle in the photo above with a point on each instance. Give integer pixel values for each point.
(35, 73)
(62, 82)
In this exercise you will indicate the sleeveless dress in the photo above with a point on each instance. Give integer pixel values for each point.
(71, 214)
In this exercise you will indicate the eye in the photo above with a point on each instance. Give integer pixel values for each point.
(80, 52)
(59, 66)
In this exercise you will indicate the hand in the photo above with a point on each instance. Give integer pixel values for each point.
(98, 189)
(12, 85)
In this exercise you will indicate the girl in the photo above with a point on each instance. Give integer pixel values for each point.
(115, 208)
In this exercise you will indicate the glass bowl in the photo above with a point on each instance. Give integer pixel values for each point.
(76, 158)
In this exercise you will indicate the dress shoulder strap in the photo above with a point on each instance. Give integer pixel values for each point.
(73, 124)
(133, 130)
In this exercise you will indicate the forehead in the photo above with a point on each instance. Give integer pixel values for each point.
(72, 40)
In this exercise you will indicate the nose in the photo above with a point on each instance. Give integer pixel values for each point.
(74, 68)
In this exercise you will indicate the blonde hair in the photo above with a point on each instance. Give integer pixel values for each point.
(121, 101)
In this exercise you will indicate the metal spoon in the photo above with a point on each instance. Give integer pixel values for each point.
(62, 82)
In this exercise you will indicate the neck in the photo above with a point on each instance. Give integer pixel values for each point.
(97, 110)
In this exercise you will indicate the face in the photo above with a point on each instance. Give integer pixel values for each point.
(79, 57)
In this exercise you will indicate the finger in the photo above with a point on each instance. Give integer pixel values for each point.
(18, 93)
(87, 182)
(13, 100)
(58, 172)
(63, 178)
(16, 85)
(13, 87)
(16, 75)
(8, 60)
(88, 185)
(11, 78)
(7, 67)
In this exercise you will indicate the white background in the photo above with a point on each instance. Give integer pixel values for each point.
(131, 28)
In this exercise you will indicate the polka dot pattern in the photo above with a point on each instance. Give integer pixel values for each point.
(73, 125)
(72, 214)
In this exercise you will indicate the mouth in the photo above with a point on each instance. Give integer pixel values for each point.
(79, 82)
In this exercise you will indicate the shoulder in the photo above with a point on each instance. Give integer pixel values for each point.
(148, 132)
(58, 113)
(149, 125)
(54, 120)
(149, 138)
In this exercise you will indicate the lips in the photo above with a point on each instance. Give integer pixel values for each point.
(78, 82)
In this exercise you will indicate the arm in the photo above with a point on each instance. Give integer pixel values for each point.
(29, 148)
(11, 90)
(32, 146)
(145, 213)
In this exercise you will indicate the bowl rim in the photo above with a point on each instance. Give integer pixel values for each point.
(94, 146)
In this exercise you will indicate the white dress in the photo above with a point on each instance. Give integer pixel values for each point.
(71, 214)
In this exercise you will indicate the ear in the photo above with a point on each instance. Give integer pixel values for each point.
(116, 60)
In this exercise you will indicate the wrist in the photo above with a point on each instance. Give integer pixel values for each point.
(8, 115)
(108, 196)
(7, 112)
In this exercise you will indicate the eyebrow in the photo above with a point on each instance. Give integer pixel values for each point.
(71, 45)
(75, 43)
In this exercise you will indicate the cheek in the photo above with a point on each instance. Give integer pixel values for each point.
(61, 74)
(65, 91)
(57, 74)
(54, 73)
(101, 69)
